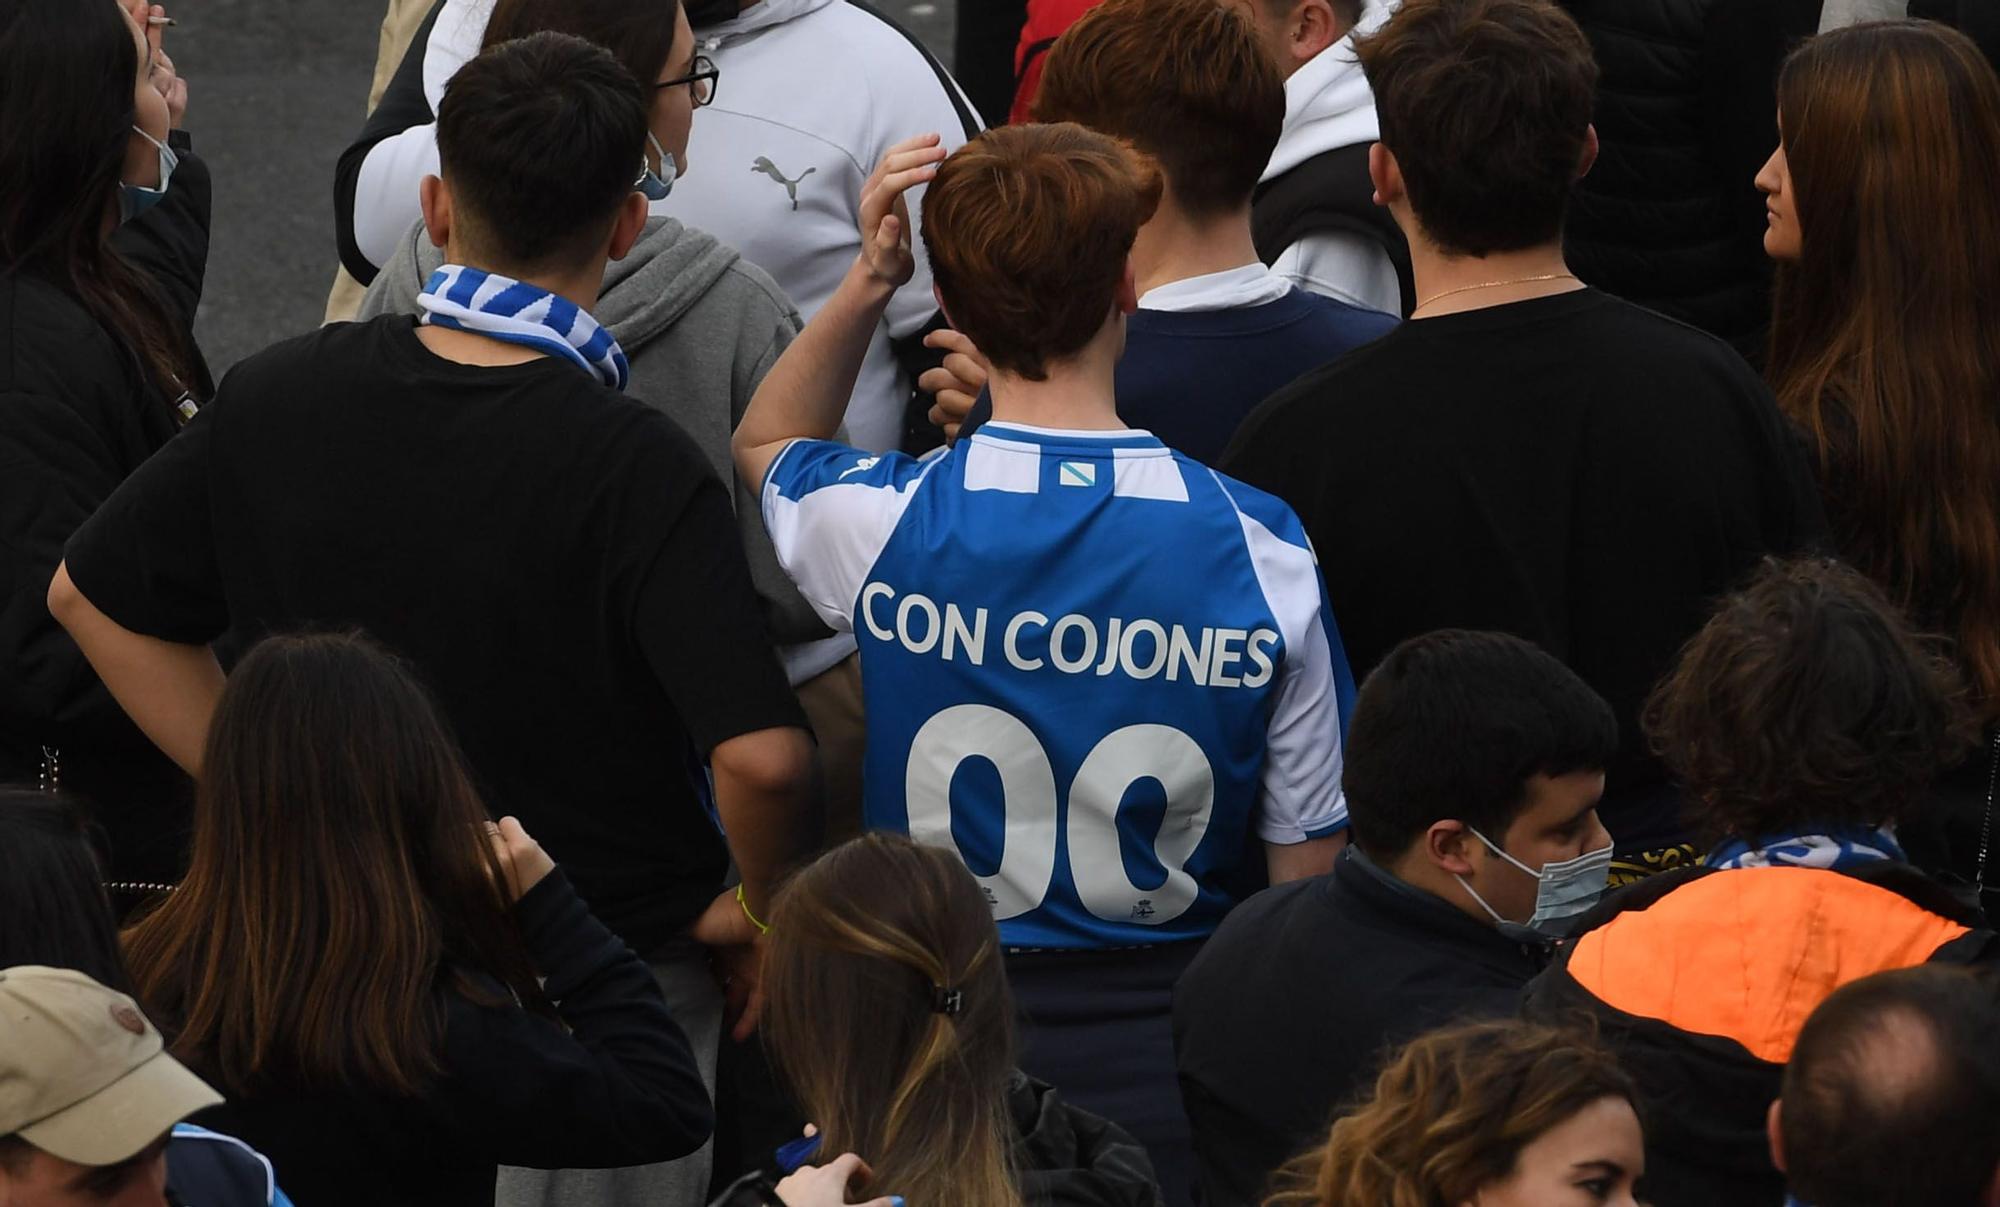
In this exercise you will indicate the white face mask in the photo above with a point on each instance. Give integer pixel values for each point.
(1564, 891)
(136, 199)
(657, 184)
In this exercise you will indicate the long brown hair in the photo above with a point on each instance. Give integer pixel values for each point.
(863, 944)
(1450, 1115)
(341, 879)
(1885, 338)
(65, 85)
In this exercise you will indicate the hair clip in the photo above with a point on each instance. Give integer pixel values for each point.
(949, 1002)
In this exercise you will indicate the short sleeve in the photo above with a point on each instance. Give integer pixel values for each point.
(1301, 796)
(147, 558)
(701, 626)
(831, 510)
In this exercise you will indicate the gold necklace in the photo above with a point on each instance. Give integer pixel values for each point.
(1547, 276)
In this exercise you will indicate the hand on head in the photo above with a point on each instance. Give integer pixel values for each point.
(885, 219)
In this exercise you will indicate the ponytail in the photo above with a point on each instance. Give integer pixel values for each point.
(889, 1016)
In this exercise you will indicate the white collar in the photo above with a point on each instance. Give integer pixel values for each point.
(1231, 289)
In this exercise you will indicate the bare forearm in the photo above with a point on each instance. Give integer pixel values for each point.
(1296, 861)
(764, 790)
(806, 393)
(168, 689)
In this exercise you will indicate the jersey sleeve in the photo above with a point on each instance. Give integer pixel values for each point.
(1301, 796)
(831, 510)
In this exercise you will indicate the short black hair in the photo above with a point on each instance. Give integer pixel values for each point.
(1486, 106)
(1892, 1094)
(541, 139)
(1453, 724)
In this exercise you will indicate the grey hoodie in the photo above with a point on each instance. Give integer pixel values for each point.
(701, 326)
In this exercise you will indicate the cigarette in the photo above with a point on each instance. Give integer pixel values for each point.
(161, 21)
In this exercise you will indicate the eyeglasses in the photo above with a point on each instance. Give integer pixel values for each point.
(701, 82)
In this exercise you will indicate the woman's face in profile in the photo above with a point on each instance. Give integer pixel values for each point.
(1592, 1159)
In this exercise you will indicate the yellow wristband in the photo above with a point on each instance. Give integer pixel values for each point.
(745, 906)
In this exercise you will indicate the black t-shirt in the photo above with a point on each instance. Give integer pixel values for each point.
(1571, 469)
(560, 564)
(1292, 1007)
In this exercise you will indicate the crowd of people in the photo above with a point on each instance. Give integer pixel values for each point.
(1371, 603)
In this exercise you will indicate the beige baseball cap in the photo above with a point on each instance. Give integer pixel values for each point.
(83, 1075)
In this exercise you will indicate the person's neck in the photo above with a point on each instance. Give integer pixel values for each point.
(1077, 394)
(1413, 869)
(1175, 246)
(473, 348)
(1454, 284)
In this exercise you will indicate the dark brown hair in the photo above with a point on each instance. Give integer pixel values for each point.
(638, 33)
(1891, 1065)
(1885, 334)
(1486, 106)
(341, 880)
(1029, 229)
(863, 943)
(1451, 1114)
(541, 140)
(1806, 698)
(1184, 81)
(66, 72)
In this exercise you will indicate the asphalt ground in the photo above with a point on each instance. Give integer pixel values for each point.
(276, 91)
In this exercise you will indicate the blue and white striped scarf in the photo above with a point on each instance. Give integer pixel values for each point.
(467, 299)
(1836, 850)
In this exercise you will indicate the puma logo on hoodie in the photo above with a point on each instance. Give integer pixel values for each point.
(791, 186)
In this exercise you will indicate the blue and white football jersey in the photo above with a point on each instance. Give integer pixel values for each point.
(1092, 666)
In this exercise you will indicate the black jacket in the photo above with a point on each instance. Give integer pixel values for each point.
(1068, 1157)
(613, 1084)
(77, 415)
(1289, 1010)
(1700, 980)
(1669, 217)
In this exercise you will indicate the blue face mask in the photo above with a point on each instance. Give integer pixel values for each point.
(133, 199)
(656, 185)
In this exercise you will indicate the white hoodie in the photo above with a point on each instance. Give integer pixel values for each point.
(812, 93)
(1327, 106)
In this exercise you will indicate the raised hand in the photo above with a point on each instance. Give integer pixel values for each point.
(885, 219)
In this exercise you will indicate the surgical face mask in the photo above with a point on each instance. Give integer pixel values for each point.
(134, 199)
(1564, 891)
(656, 185)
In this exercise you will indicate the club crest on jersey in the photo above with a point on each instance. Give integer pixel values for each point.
(1077, 473)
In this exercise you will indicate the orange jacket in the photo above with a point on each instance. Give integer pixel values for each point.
(1701, 981)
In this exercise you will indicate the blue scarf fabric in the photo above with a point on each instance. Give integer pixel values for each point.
(1836, 849)
(467, 299)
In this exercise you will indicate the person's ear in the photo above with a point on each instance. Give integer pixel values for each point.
(942, 308)
(1589, 152)
(630, 225)
(1774, 1131)
(435, 199)
(1128, 290)
(1385, 174)
(1448, 845)
(1314, 29)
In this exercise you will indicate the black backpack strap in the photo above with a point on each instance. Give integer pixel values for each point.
(1330, 192)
